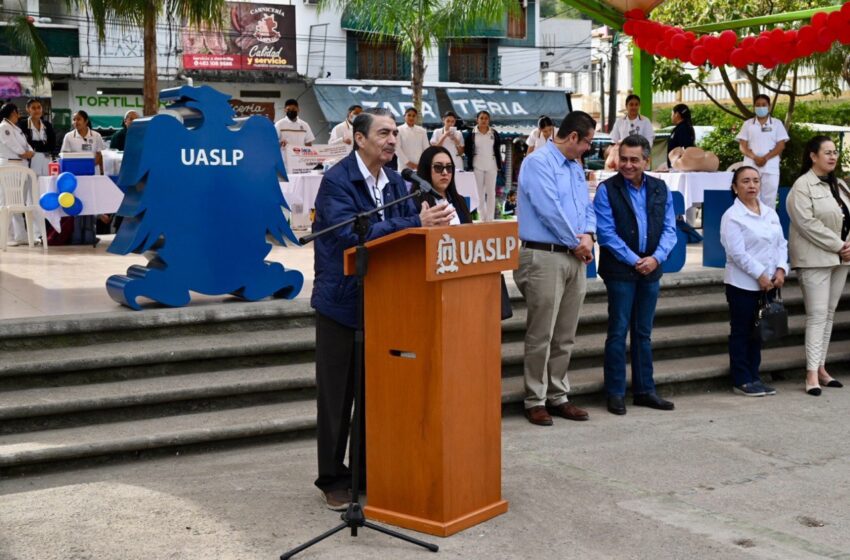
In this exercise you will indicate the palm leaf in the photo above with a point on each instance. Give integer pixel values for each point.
(24, 36)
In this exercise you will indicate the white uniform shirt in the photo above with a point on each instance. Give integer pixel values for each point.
(761, 139)
(412, 141)
(536, 139)
(754, 245)
(13, 143)
(451, 143)
(92, 142)
(485, 159)
(376, 188)
(341, 132)
(626, 127)
(297, 133)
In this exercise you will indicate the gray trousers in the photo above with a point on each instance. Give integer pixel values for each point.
(554, 285)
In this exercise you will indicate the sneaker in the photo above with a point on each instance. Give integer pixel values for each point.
(337, 500)
(767, 390)
(15, 243)
(752, 389)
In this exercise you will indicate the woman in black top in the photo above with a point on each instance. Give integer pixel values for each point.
(437, 167)
(40, 135)
(683, 135)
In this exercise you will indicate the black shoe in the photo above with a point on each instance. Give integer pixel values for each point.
(652, 401)
(616, 405)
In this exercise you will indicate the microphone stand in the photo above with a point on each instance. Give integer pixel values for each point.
(354, 518)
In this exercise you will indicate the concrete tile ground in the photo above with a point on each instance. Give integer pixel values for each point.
(722, 477)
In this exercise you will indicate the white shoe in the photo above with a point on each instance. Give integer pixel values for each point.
(14, 243)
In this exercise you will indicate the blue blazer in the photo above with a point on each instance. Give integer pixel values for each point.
(343, 193)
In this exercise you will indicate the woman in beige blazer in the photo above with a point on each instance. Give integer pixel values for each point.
(819, 206)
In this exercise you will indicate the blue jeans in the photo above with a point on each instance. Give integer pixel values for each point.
(744, 347)
(631, 308)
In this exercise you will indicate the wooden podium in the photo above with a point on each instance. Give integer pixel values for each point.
(433, 375)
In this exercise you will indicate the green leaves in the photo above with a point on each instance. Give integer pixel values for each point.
(24, 36)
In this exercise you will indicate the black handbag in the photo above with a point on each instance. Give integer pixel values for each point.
(507, 312)
(772, 318)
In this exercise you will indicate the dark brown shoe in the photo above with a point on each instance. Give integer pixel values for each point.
(569, 411)
(538, 415)
(337, 500)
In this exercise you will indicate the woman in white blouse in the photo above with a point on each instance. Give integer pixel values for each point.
(540, 135)
(484, 154)
(84, 139)
(450, 138)
(14, 150)
(756, 265)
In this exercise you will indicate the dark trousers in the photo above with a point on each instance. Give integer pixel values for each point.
(335, 388)
(744, 347)
(631, 309)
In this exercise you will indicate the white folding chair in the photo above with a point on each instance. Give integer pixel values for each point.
(13, 188)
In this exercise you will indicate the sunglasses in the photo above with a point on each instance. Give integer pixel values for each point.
(439, 169)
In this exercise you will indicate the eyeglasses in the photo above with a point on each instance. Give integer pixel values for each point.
(831, 153)
(439, 169)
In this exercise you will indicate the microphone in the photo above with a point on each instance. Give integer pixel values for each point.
(409, 175)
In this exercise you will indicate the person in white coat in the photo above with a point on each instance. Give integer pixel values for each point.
(343, 133)
(412, 141)
(84, 139)
(632, 123)
(484, 153)
(450, 138)
(14, 150)
(762, 140)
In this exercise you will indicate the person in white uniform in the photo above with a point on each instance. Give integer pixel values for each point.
(14, 150)
(450, 138)
(412, 141)
(84, 139)
(762, 140)
(540, 135)
(291, 129)
(632, 123)
(343, 133)
(40, 135)
(484, 154)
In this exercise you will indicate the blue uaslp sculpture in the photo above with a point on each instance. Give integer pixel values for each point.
(199, 198)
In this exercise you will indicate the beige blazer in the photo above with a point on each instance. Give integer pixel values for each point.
(814, 238)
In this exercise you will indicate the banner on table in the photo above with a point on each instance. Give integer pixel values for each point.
(303, 159)
(255, 37)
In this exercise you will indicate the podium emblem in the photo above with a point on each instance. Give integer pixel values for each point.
(447, 255)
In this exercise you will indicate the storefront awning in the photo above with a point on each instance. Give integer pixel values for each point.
(508, 106)
(23, 86)
(106, 121)
(335, 100)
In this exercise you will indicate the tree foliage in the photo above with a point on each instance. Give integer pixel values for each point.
(23, 36)
(417, 26)
(780, 83)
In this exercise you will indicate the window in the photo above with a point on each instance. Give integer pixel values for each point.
(518, 23)
(379, 60)
(471, 62)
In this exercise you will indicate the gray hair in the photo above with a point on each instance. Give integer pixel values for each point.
(363, 122)
(638, 141)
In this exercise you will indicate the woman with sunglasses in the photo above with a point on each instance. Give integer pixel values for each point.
(819, 246)
(437, 166)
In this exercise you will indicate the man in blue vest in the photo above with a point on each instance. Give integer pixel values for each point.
(636, 228)
(359, 182)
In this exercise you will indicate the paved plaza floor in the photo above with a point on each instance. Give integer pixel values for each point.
(723, 477)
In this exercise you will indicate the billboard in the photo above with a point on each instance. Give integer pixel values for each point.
(253, 37)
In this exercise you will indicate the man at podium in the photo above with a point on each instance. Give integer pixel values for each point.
(557, 225)
(358, 183)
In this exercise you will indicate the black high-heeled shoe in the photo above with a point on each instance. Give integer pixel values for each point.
(813, 390)
(834, 383)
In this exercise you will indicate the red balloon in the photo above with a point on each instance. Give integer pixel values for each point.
(690, 36)
(762, 45)
(728, 39)
(844, 37)
(777, 34)
(699, 55)
(845, 9)
(738, 58)
(836, 21)
(807, 34)
(678, 42)
(825, 39)
(819, 19)
(629, 27)
(790, 36)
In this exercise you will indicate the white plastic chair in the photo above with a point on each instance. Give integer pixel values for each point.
(13, 186)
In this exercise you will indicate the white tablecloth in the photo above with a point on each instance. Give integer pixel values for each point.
(99, 195)
(692, 185)
(301, 191)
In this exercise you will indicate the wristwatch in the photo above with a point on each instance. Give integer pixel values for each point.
(592, 235)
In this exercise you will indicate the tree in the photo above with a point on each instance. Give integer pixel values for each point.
(419, 25)
(23, 37)
(780, 82)
(132, 14)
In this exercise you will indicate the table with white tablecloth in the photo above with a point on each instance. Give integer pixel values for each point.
(301, 191)
(98, 193)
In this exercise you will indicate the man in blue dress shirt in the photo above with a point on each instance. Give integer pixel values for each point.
(557, 226)
(636, 225)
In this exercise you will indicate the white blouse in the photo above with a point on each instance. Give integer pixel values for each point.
(455, 138)
(754, 245)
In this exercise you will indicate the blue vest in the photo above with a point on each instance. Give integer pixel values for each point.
(610, 268)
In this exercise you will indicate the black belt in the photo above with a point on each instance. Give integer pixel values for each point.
(551, 247)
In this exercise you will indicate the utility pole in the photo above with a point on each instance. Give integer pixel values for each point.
(612, 88)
